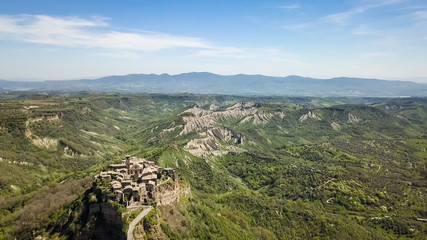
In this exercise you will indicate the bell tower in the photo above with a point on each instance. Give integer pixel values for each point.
(127, 163)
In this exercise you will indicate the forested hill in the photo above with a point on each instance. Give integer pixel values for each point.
(209, 83)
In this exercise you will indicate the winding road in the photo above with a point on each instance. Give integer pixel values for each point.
(136, 221)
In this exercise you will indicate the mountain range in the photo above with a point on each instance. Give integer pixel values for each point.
(240, 84)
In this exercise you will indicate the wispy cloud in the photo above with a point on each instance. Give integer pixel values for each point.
(95, 33)
(407, 8)
(422, 15)
(372, 18)
(345, 17)
(363, 30)
(342, 18)
(230, 52)
(87, 33)
(297, 26)
(382, 2)
(377, 54)
(290, 6)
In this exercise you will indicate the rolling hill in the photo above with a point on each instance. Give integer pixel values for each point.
(257, 167)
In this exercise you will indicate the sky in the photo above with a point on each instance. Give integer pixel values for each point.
(54, 40)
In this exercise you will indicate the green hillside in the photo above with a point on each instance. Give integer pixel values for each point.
(258, 168)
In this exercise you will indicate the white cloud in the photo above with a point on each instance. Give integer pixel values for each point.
(291, 6)
(96, 37)
(230, 52)
(420, 15)
(345, 17)
(384, 2)
(342, 18)
(406, 8)
(96, 33)
(296, 26)
(377, 54)
(349, 17)
(92, 33)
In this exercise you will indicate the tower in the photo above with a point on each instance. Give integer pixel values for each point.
(128, 164)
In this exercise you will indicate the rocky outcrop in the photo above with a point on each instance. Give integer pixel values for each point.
(393, 107)
(111, 216)
(353, 119)
(198, 119)
(309, 115)
(216, 140)
(213, 107)
(149, 229)
(45, 142)
(169, 192)
(68, 150)
(45, 118)
(335, 126)
(172, 129)
(225, 135)
(96, 218)
(263, 118)
(212, 142)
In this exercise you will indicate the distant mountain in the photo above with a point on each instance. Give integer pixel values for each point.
(204, 82)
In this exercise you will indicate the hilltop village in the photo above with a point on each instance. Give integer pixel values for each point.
(137, 179)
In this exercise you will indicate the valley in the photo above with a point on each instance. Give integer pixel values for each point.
(251, 167)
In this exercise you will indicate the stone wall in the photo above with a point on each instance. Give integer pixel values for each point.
(169, 192)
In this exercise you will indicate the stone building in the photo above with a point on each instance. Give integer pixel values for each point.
(135, 179)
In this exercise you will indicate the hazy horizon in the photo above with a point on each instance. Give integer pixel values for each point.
(416, 80)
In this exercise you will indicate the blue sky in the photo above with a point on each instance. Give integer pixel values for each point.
(316, 38)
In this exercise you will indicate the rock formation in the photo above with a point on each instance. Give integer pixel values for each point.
(309, 115)
(197, 119)
(335, 126)
(216, 140)
(353, 119)
(169, 192)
